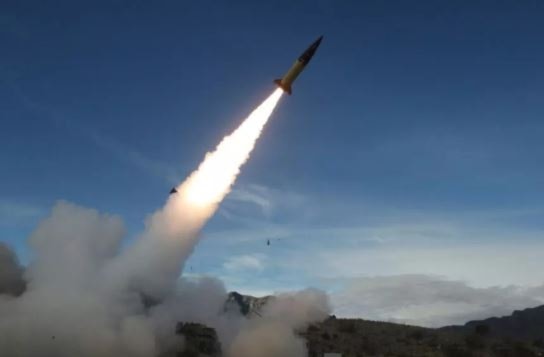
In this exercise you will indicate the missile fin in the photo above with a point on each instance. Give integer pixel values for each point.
(286, 88)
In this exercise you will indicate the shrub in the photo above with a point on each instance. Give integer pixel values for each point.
(482, 329)
(474, 342)
(455, 350)
(521, 350)
(417, 335)
(348, 327)
(325, 336)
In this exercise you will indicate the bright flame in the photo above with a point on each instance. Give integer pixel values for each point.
(211, 182)
(155, 261)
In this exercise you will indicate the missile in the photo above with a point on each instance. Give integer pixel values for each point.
(299, 65)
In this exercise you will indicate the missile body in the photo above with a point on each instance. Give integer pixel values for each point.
(299, 65)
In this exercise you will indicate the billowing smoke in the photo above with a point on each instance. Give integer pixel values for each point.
(67, 309)
(275, 333)
(11, 273)
(85, 296)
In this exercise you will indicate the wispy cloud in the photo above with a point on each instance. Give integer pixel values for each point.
(13, 213)
(512, 258)
(256, 195)
(428, 300)
(429, 270)
(240, 263)
(118, 150)
(137, 159)
(240, 205)
(484, 248)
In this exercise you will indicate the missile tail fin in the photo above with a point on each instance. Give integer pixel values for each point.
(286, 88)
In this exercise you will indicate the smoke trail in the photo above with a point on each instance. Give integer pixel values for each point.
(209, 184)
(153, 264)
(84, 298)
(11, 273)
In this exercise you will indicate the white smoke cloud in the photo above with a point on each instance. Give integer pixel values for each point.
(71, 306)
(11, 273)
(67, 309)
(267, 340)
(253, 262)
(13, 213)
(274, 332)
(298, 309)
(87, 297)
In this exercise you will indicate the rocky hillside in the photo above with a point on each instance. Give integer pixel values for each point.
(518, 335)
(356, 337)
(360, 338)
(247, 305)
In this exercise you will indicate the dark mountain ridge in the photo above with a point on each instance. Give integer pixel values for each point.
(527, 324)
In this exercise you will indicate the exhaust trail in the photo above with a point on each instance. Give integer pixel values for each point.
(212, 181)
(153, 264)
(84, 296)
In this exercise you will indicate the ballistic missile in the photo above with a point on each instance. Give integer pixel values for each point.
(299, 65)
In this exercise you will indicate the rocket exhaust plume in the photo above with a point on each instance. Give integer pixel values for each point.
(153, 264)
(211, 182)
(83, 296)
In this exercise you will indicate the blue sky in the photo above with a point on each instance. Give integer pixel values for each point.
(411, 144)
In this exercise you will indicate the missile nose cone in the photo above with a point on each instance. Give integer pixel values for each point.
(310, 51)
(313, 47)
(316, 42)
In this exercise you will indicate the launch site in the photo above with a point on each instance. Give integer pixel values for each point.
(310, 178)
